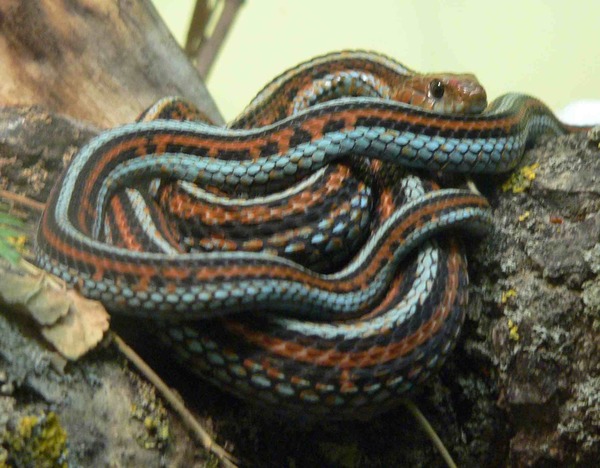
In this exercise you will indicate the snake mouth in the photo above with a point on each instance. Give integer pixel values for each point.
(473, 107)
(477, 106)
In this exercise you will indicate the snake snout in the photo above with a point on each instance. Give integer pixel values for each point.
(477, 104)
(474, 94)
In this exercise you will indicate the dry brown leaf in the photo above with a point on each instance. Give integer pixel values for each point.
(44, 304)
(69, 321)
(81, 329)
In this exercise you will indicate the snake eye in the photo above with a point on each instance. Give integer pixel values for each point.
(436, 89)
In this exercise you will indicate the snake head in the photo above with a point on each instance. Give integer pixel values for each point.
(446, 93)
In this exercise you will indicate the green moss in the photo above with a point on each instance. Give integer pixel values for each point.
(153, 415)
(37, 441)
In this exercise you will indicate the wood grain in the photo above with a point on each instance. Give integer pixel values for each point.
(100, 61)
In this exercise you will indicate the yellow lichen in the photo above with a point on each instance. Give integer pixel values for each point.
(506, 295)
(513, 330)
(18, 242)
(524, 216)
(520, 180)
(38, 441)
(153, 415)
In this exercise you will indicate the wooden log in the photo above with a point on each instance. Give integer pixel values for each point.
(100, 61)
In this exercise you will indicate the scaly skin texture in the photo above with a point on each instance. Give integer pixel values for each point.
(291, 257)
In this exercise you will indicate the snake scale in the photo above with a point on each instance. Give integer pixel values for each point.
(304, 257)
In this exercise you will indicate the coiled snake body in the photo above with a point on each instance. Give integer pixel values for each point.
(295, 257)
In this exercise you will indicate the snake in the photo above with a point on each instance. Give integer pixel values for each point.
(348, 146)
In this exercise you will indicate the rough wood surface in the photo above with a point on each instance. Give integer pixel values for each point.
(99, 61)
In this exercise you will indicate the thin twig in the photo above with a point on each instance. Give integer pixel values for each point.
(198, 23)
(435, 439)
(210, 45)
(22, 200)
(177, 404)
